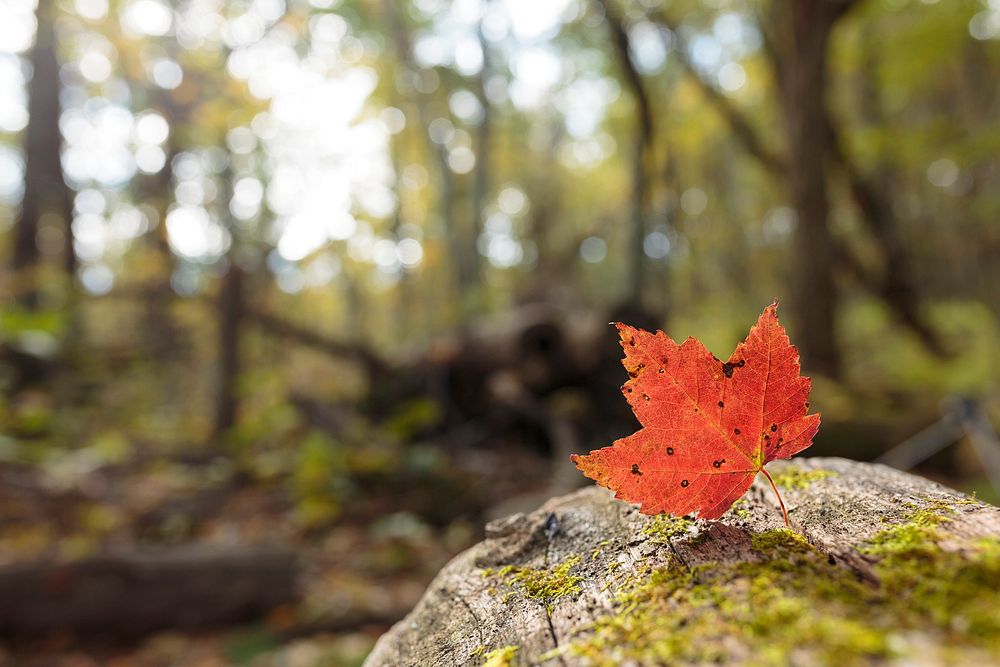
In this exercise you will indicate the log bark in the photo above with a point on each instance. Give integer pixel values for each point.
(482, 601)
(127, 595)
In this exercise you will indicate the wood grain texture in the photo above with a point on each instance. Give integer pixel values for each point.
(464, 612)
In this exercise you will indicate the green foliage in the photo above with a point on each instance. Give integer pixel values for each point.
(888, 360)
(246, 647)
(318, 480)
(411, 418)
(15, 322)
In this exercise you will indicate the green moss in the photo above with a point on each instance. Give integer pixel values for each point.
(963, 592)
(798, 605)
(546, 585)
(664, 527)
(797, 479)
(596, 553)
(740, 509)
(781, 539)
(501, 657)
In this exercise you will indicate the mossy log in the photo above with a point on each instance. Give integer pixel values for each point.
(882, 567)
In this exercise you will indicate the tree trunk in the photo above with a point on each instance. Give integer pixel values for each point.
(230, 317)
(808, 24)
(642, 156)
(484, 135)
(161, 333)
(887, 566)
(896, 285)
(458, 248)
(45, 189)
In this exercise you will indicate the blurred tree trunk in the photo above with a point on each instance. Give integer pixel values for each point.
(870, 192)
(484, 133)
(160, 333)
(426, 107)
(982, 99)
(160, 330)
(738, 264)
(669, 205)
(406, 294)
(642, 156)
(545, 192)
(796, 36)
(807, 25)
(231, 314)
(230, 309)
(798, 56)
(45, 189)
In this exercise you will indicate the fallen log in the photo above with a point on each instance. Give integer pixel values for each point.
(126, 595)
(883, 567)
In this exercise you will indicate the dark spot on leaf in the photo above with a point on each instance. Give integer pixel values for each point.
(670, 451)
(774, 427)
(635, 469)
(661, 371)
(807, 405)
(641, 366)
(736, 431)
(727, 368)
(684, 483)
(633, 374)
(629, 390)
(646, 396)
(767, 437)
(663, 361)
(721, 404)
(631, 341)
(718, 464)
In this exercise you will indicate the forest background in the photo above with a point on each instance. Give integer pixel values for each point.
(334, 276)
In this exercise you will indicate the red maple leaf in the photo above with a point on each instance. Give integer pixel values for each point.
(708, 427)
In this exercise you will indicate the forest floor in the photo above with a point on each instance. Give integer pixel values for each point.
(357, 574)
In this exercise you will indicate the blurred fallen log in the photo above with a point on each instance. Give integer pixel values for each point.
(532, 353)
(126, 595)
(303, 336)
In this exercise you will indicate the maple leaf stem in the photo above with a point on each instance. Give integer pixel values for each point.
(780, 501)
